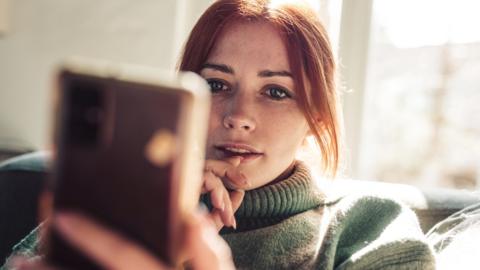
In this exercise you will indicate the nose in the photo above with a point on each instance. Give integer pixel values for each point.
(239, 115)
(238, 122)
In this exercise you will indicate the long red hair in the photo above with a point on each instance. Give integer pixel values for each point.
(310, 57)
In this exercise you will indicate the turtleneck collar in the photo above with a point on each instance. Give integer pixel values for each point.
(272, 203)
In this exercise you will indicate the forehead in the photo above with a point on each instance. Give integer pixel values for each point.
(257, 41)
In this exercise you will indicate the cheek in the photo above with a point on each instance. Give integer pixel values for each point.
(286, 129)
(287, 120)
(214, 122)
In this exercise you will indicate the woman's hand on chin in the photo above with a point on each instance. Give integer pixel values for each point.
(226, 185)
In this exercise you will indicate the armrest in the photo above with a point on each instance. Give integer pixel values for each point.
(431, 205)
(21, 181)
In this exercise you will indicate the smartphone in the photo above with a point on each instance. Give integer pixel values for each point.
(129, 153)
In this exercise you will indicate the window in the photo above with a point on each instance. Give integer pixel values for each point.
(421, 108)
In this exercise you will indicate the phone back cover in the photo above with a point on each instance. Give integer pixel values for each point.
(113, 180)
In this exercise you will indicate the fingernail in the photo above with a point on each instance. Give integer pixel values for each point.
(222, 206)
(234, 222)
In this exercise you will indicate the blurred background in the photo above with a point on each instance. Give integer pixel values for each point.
(409, 74)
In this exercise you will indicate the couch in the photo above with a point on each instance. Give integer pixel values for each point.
(22, 178)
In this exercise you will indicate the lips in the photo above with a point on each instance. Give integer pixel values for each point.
(245, 151)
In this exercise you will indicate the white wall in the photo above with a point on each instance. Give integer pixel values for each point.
(41, 33)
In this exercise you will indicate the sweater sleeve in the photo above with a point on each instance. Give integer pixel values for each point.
(28, 247)
(370, 232)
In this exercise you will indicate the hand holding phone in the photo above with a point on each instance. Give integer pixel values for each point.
(129, 154)
(206, 249)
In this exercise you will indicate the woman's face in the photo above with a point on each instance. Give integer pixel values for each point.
(254, 110)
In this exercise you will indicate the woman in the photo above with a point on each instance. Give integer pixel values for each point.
(272, 76)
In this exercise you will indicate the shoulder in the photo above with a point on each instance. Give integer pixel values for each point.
(372, 232)
(359, 209)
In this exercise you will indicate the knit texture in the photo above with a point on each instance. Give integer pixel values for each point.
(292, 225)
(28, 247)
(273, 203)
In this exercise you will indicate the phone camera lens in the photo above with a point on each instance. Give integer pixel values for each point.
(84, 111)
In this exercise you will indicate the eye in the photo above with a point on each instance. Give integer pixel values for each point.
(277, 93)
(217, 85)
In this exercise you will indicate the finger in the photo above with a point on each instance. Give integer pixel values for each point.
(217, 198)
(220, 166)
(104, 246)
(235, 200)
(220, 198)
(234, 179)
(225, 212)
(216, 218)
(216, 188)
(230, 175)
(227, 215)
(234, 161)
(209, 250)
(236, 197)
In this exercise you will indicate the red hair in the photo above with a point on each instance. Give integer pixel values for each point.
(309, 53)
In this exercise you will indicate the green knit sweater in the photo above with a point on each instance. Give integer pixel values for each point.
(291, 225)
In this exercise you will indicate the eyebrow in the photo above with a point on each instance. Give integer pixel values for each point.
(264, 73)
(270, 73)
(219, 67)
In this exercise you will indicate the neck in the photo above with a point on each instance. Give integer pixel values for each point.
(280, 199)
(284, 175)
